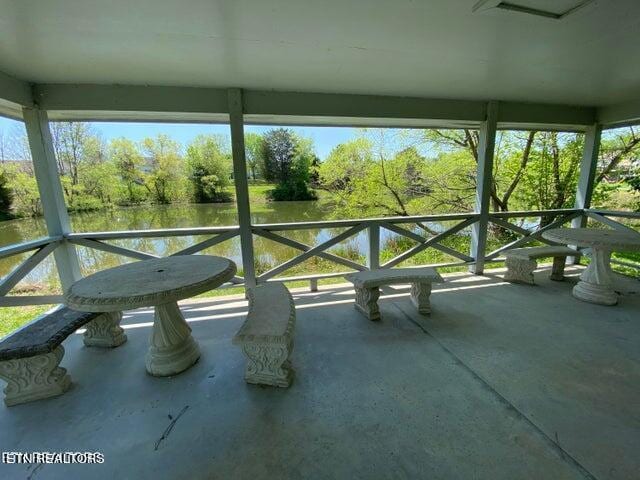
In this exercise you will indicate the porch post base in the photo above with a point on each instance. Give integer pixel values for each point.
(34, 378)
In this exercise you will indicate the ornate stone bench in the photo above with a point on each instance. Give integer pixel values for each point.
(521, 262)
(266, 337)
(29, 357)
(368, 283)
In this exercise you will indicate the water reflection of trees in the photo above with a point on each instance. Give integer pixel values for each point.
(267, 253)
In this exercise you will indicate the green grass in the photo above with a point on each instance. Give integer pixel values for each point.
(12, 318)
(258, 192)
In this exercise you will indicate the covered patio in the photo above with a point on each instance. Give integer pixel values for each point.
(501, 381)
(510, 388)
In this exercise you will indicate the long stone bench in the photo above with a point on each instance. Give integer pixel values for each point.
(266, 337)
(521, 262)
(30, 356)
(368, 283)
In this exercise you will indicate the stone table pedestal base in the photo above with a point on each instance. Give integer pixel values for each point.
(172, 349)
(596, 284)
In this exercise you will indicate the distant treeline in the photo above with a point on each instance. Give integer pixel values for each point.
(378, 172)
(96, 174)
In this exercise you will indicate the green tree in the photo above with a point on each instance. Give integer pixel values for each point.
(550, 179)
(618, 150)
(209, 168)
(6, 197)
(129, 164)
(287, 161)
(279, 150)
(367, 178)
(163, 180)
(72, 142)
(99, 181)
(254, 150)
(26, 197)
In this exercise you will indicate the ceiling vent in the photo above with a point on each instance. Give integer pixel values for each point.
(554, 9)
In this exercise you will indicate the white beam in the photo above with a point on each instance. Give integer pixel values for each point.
(51, 196)
(514, 113)
(15, 91)
(483, 188)
(241, 186)
(358, 106)
(134, 102)
(620, 114)
(10, 110)
(130, 98)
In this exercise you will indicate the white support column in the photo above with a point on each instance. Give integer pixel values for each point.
(373, 253)
(483, 187)
(586, 180)
(51, 196)
(240, 181)
(588, 166)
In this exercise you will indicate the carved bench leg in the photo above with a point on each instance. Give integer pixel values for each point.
(420, 293)
(557, 270)
(520, 270)
(268, 364)
(367, 302)
(105, 331)
(34, 378)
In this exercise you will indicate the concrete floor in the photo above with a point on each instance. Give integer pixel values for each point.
(502, 381)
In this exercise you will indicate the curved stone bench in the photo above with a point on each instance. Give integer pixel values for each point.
(368, 283)
(266, 337)
(521, 262)
(30, 356)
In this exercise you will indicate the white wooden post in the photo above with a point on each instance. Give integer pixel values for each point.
(588, 166)
(483, 187)
(586, 180)
(51, 196)
(242, 188)
(373, 253)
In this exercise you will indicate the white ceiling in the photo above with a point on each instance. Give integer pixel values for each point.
(427, 48)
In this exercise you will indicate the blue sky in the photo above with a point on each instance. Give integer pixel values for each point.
(324, 138)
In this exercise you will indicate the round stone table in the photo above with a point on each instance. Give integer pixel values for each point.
(596, 281)
(159, 283)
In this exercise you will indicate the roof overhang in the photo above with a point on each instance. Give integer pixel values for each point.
(135, 103)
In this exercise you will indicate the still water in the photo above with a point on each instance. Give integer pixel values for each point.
(267, 253)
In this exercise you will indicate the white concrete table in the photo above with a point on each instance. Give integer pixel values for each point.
(596, 281)
(159, 283)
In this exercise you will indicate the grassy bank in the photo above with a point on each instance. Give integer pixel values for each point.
(12, 318)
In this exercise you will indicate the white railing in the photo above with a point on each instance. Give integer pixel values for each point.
(417, 228)
(40, 248)
(354, 227)
(605, 217)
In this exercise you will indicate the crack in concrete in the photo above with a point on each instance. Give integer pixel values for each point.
(172, 424)
(561, 452)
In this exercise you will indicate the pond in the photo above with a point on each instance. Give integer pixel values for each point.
(267, 253)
